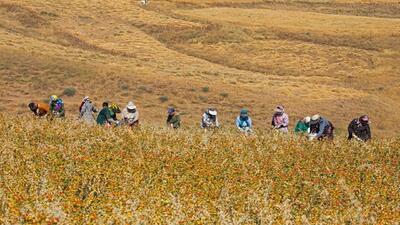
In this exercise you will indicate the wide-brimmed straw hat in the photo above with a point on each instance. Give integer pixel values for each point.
(280, 109)
(315, 119)
(131, 106)
(212, 111)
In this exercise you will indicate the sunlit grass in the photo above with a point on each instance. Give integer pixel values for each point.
(62, 171)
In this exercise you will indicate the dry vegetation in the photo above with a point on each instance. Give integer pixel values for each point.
(337, 58)
(66, 173)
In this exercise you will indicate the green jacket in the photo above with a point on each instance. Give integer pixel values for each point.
(113, 114)
(175, 120)
(301, 127)
(104, 116)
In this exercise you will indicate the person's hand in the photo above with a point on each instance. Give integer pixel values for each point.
(356, 137)
(311, 136)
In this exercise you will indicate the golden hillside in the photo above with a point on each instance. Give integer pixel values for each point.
(337, 58)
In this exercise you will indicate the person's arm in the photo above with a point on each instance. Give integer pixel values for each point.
(250, 123)
(94, 109)
(354, 126)
(170, 122)
(322, 124)
(202, 123)
(369, 132)
(109, 117)
(204, 119)
(83, 109)
(125, 115)
(238, 122)
(136, 117)
(285, 121)
(176, 122)
(216, 121)
(273, 121)
(35, 112)
(167, 121)
(350, 130)
(41, 112)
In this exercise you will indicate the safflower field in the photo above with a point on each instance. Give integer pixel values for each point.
(63, 172)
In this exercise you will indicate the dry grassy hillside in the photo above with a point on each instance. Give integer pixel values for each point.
(337, 58)
(62, 172)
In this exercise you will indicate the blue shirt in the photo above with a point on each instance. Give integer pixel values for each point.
(241, 123)
(322, 124)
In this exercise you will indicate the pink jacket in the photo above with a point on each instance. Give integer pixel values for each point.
(280, 121)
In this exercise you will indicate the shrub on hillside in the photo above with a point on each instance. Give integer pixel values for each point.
(124, 87)
(224, 94)
(69, 91)
(205, 89)
(163, 98)
(145, 89)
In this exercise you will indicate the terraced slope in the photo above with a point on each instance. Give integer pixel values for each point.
(340, 59)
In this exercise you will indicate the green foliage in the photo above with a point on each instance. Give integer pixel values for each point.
(224, 94)
(124, 87)
(163, 98)
(70, 91)
(205, 89)
(50, 14)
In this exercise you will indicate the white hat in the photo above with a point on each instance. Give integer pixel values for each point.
(315, 117)
(131, 106)
(280, 109)
(86, 98)
(307, 119)
(212, 112)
